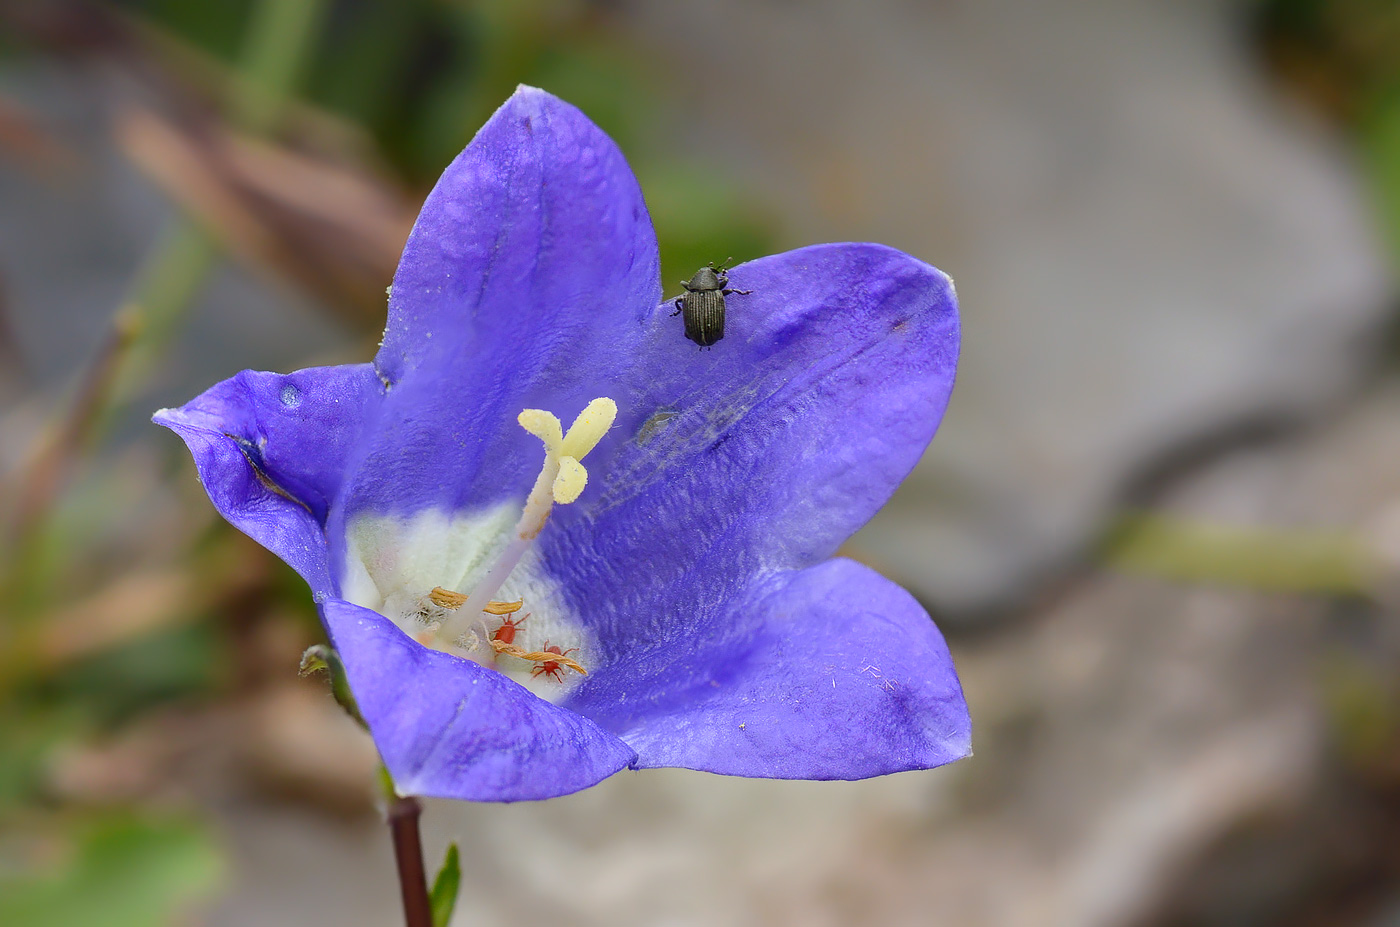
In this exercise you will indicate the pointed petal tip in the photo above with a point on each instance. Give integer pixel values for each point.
(959, 750)
(181, 419)
(531, 101)
(190, 418)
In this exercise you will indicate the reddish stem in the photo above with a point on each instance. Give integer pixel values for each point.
(408, 852)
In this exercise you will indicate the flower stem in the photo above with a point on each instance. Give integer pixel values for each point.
(408, 852)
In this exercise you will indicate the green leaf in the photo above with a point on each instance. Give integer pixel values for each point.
(444, 894)
(120, 871)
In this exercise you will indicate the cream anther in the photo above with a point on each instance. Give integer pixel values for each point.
(561, 479)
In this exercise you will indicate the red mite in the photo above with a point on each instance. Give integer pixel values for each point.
(551, 668)
(506, 632)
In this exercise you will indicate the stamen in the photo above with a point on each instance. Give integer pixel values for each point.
(446, 598)
(561, 479)
(538, 656)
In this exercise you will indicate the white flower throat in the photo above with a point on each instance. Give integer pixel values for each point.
(470, 585)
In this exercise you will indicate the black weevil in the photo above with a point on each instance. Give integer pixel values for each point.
(703, 304)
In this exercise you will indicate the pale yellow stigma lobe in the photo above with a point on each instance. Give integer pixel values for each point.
(545, 426)
(569, 482)
(588, 429)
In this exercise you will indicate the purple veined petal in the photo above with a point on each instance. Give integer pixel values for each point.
(837, 673)
(271, 451)
(762, 454)
(449, 728)
(527, 282)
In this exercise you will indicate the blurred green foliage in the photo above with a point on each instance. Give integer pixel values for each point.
(1343, 56)
(115, 870)
(1268, 559)
(117, 684)
(421, 76)
(1361, 701)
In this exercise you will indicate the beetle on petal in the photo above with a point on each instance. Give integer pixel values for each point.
(676, 540)
(703, 304)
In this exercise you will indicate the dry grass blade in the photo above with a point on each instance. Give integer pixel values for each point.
(331, 230)
(25, 141)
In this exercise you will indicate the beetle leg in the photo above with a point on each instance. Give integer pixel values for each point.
(740, 292)
(678, 302)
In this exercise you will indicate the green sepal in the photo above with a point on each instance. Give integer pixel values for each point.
(387, 790)
(443, 897)
(323, 657)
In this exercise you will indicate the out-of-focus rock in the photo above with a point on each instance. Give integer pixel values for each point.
(1148, 245)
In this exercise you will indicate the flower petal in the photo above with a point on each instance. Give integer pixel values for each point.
(533, 257)
(763, 454)
(271, 451)
(837, 673)
(450, 728)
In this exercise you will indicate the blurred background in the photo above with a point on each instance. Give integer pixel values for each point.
(1160, 525)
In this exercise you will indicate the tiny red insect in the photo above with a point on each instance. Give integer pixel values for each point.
(551, 668)
(506, 632)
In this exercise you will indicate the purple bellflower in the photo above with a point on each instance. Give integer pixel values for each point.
(515, 625)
